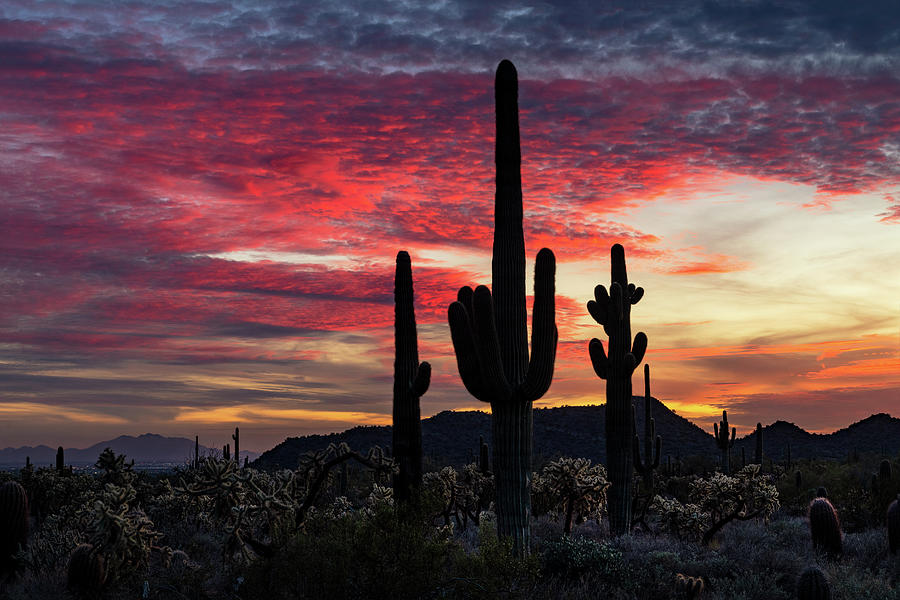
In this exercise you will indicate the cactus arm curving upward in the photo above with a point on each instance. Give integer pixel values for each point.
(490, 332)
(612, 310)
(411, 381)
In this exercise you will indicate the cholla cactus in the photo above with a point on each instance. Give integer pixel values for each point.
(463, 497)
(719, 500)
(115, 470)
(379, 496)
(123, 535)
(571, 488)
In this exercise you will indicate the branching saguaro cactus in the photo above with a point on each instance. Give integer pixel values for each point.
(411, 380)
(490, 333)
(723, 442)
(646, 468)
(612, 310)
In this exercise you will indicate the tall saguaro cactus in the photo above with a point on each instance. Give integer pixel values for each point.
(490, 333)
(722, 441)
(647, 466)
(236, 436)
(411, 380)
(759, 444)
(612, 310)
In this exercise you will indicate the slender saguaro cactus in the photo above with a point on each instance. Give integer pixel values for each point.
(722, 441)
(646, 469)
(613, 311)
(236, 436)
(490, 333)
(411, 380)
(60, 460)
(226, 452)
(759, 444)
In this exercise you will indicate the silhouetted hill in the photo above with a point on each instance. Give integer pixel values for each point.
(148, 448)
(452, 437)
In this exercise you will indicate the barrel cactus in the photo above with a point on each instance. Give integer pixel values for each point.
(813, 584)
(825, 527)
(688, 588)
(490, 333)
(13, 522)
(893, 525)
(86, 570)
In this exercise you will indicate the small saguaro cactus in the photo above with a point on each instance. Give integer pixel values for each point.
(236, 436)
(60, 460)
(646, 468)
(758, 459)
(484, 463)
(722, 441)
(490, 332)
(226, 452)
(688, 588)
(86, 570)
(411, 380)
(612, 310)
(884, 471)
(893, 525)
(13, 522)
(813, 584)
(825, 527)
(196, 451)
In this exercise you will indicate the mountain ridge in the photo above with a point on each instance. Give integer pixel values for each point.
(452, 437)
(147, 448)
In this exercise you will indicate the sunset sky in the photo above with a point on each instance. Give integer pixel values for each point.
(201, 203)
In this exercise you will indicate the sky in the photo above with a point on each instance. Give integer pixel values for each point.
(201, 204)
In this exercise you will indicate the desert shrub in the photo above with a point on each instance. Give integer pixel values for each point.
(575, 556)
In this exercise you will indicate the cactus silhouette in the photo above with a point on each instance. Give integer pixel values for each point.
(825, 527)
(411, 380)
(646, 468)
(612, 310)
(13, 522)
(813, 585)
(196, 451)
(490, 333)
(758, 459)
(884, 471)
(86, 571)
(236, 436)
(723, 442)
(60, 460)
(484, 462)
(893, 525)
(688, 588)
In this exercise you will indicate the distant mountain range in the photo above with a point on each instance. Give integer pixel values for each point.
(144, 449)
(452, 437)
